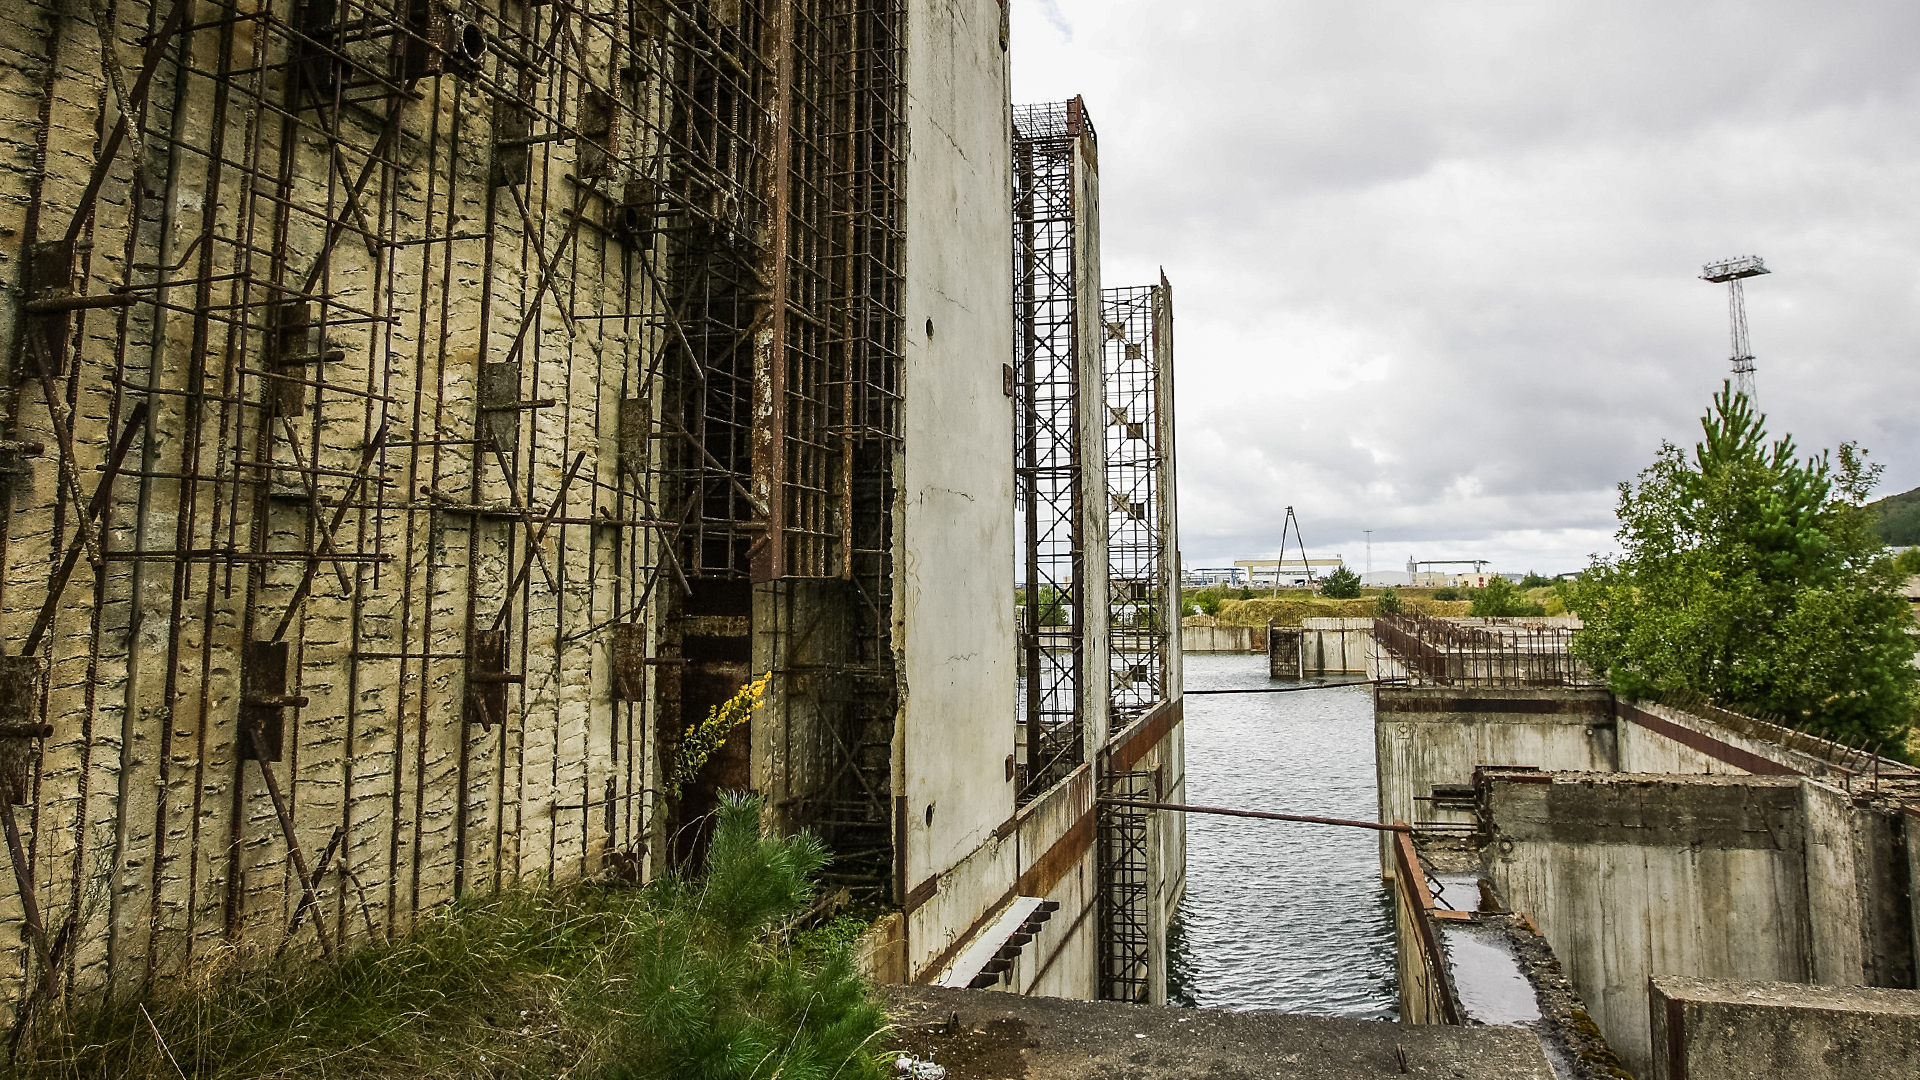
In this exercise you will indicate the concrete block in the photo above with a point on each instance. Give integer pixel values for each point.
(1710, 1029)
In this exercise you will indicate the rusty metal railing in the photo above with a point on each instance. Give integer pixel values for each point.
(1448, 652)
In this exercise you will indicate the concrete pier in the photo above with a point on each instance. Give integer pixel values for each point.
(1711, 1029)
(981, 1034)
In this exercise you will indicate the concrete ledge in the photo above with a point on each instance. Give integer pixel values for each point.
(1714, 1029)
(1001, 1035)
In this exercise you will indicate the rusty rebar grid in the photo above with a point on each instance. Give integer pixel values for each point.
(1049, 486)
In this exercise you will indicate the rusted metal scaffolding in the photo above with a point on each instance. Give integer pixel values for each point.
(419, 392)
(1126, 886)
(1133, 384)
(1050, 481)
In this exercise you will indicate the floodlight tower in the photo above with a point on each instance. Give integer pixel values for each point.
(1733, 271)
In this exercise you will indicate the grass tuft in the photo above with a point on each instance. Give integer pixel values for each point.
(685, 978)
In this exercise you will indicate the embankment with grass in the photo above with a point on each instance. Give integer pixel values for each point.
(1287, 610)
(682, 978)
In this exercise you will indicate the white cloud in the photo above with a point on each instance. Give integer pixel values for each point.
(1434, 265)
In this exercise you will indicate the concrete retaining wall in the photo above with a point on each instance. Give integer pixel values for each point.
(1335, 646)
(1223, 639)
(1710, 1029)
(1427, 737)
(1762, 878)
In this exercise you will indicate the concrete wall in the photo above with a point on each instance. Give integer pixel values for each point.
(1713, 1029)
(1335, 646)
(150, 842)
(1247, 639)
(955, 539)
(1431, 736)
(1092, 564)
(1045, 850)
(1767, 878)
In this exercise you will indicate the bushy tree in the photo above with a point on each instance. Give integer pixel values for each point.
(1751, 575)
(1387, 603)
(1535, 581)
(1342, 584)
(1501, 599)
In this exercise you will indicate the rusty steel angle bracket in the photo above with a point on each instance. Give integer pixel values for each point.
(102, 492)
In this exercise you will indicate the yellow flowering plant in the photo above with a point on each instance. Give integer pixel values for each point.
(703, 740)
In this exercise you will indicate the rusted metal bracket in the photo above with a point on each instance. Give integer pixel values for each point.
(500, 404)
(630, 661)
(264, 698)
(600, 131)
(20, 724)
(488, 678)
(636, 438)
(292, 342)
(437, 39)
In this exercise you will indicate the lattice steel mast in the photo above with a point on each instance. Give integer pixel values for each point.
(1733, 271)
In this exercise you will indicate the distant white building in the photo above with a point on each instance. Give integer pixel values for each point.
(1387, 579)
(1269, 573)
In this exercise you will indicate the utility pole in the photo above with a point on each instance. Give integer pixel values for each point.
(1733, 271)
(1369, 533)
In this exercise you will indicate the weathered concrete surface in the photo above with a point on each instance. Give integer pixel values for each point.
(1710, 1029)
(1000, 1036)
(1633, 876)
(1769, 878)
(1198, 637)
(955, 547)
(1427, 736)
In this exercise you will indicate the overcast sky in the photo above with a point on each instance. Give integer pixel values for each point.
(1435, 265)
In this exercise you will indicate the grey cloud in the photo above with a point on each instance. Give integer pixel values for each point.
(1434, 264)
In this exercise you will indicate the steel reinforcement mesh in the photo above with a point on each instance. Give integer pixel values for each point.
(1047, 457)
(1137, 576)
(381, 366)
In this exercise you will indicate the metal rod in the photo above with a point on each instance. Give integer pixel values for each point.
(1261, 814)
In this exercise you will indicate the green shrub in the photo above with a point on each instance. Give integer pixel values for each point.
(1342, 584)
(1446, 594)
(1501, 599)
(1387, 603)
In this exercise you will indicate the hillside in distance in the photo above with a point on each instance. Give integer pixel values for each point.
(1897, 518)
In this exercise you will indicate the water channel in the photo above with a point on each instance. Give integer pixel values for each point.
(1279, 915)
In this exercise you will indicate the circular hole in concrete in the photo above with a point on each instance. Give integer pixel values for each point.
(929, 329)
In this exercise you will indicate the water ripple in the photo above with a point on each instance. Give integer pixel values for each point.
(1280, 916)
